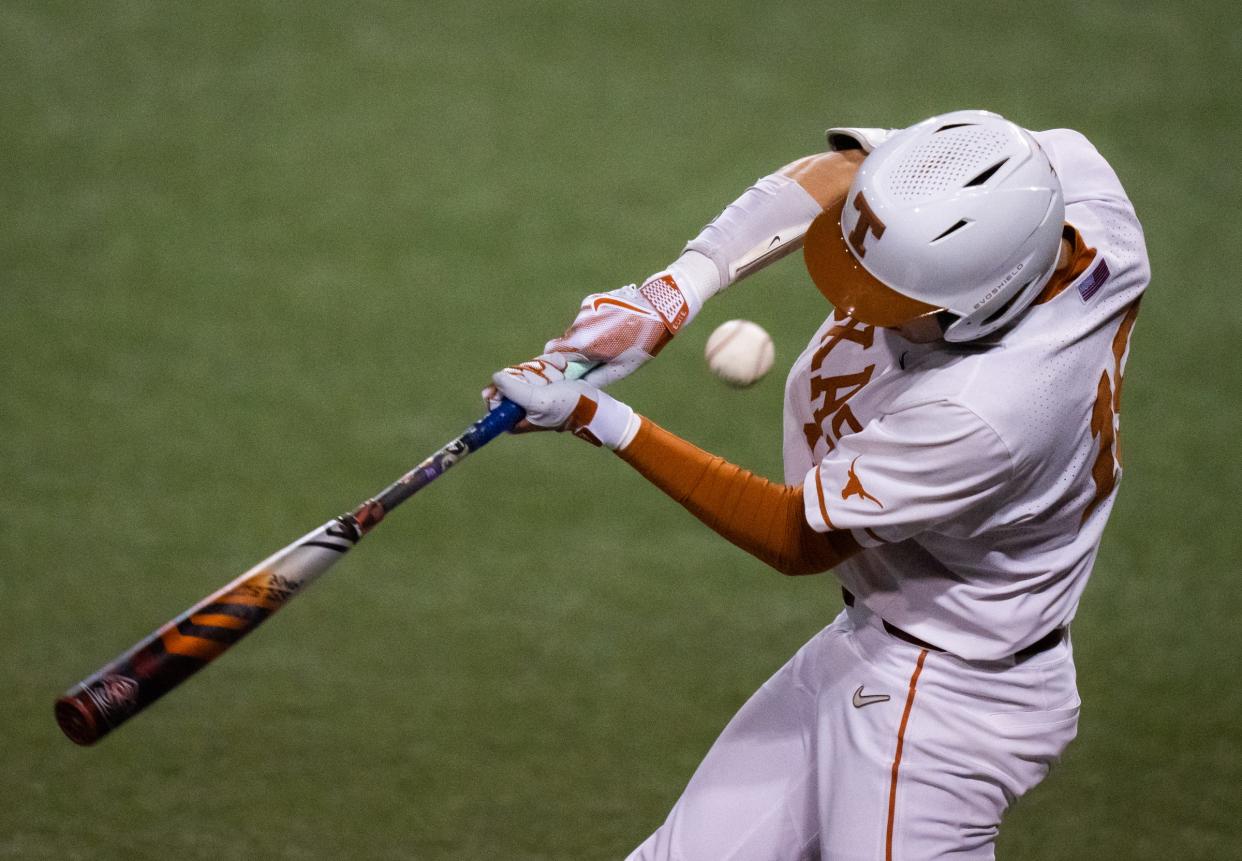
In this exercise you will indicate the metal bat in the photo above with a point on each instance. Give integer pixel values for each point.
(103, 701)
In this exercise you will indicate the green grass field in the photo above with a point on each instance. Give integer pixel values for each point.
(258, 258)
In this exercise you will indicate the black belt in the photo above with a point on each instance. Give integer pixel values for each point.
(1043, 644)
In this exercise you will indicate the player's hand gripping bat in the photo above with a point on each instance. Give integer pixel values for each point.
(103, 701)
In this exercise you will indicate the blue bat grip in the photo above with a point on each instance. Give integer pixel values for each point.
(508, 414)
(492, 425)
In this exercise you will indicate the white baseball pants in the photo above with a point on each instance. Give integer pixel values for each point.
(816, 766)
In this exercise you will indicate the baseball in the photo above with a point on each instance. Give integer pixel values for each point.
(740, 352)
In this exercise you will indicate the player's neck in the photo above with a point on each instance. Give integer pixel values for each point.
(922, 330)
(1067, 254)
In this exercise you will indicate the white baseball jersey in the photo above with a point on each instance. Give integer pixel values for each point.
(979, 476)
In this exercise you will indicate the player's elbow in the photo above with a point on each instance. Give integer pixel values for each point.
(815, 552)
(798, 567)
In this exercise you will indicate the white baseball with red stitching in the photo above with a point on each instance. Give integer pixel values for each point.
(740, 352)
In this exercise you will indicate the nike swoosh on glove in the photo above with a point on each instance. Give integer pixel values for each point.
(555, 403)
(619, 331)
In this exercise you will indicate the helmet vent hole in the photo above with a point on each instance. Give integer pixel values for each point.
(987, 174)
(956, 227)
(941, 163)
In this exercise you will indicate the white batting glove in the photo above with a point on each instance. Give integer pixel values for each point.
(614, 334)
(555, 403)
(619, 331)
(540, 370)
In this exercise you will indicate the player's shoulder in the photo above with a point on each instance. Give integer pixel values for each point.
(942, 415)
(1098, 207)
(1084, 172)
(1013, 392)
(956, 385)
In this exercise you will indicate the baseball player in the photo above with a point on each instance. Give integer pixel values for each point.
(951, 453)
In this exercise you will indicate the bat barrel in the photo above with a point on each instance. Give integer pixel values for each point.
(103, 701)
(100, 703)
(128, 684)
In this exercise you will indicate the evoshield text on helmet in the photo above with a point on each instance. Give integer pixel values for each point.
(962, 212)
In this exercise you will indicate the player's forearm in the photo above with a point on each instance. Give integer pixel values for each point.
(763, 518)
(826, 176)
(760, 227)
(767, 222)
(618, 331)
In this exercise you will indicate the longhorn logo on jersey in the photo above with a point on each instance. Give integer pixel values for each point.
(853, 486)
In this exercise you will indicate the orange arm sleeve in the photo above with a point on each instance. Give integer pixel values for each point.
(763, 518)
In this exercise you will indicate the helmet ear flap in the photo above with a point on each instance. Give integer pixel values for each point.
(989, 323)
(971, 327)
(1006, 305)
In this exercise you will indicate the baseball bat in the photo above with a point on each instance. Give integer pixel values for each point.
(177, 650)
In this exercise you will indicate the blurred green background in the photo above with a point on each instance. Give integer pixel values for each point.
(257, 258)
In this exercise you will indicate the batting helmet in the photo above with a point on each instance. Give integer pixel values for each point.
(962, 213)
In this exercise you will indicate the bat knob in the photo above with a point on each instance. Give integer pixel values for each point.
(77, 721)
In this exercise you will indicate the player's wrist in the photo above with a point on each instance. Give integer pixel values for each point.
(668, 298)
(697, 278)
(633, 421)
(606, 421)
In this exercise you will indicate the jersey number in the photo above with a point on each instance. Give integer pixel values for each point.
(1105, 417)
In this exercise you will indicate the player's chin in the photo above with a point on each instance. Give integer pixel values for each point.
(920, 330)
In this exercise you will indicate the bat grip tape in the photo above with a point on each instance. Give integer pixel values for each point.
(508, 414)
(499, 420)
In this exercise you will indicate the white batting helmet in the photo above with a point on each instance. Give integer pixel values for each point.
(962, 212)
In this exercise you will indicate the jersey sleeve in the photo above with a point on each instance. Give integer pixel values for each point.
(1084, 173)
(908, 472)
(842, 138)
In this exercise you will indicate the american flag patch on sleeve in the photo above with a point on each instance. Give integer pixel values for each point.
(1090, 285)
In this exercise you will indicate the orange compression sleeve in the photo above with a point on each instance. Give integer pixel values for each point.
(763, 518)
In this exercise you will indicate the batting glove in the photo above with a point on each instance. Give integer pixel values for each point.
(619, 331)
(614, 334)
(553, 402)
(538, 371)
